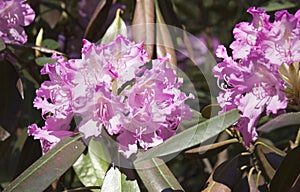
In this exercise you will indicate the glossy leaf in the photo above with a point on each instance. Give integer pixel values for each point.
(115, 181)
(117, 27)
(49, 167)
(91, 167)
(287, 173)
(227, 176)
(193, 136)
(164, 43)
(143, 24)
(98, 18)
(281, 121)
(156, 171)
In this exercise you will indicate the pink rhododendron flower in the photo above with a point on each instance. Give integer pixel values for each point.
(111, 87)
(252, 83)
(14, 15)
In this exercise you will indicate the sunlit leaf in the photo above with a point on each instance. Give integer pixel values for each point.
(115, 181)
(143, 24)
(275, 5)
(49, 167)
(117, 27)
(91, 167)
(193, 136)
(283, 120)
(156, 171)
(287, 173)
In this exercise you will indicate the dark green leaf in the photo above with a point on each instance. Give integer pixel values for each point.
(210, 110)
(115, 181)
(91, 167)
(156, 171)
(228, 175)
(287, 173)
(143, 24)
(193, 136)
(50, 44)
(281, 121)
(49, 167)
(98, 18)
(2, 45)
(41, 61)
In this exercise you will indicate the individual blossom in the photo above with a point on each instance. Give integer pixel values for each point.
(251, 79)
(14, 15)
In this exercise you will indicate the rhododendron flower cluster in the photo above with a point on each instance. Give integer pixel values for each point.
(252, 83)
(14, 15)
(112, 87)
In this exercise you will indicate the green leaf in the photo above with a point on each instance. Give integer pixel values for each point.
(49, 167)
(156, 171)
(281, 121)
(41, 61)
(143, 24)
(115, 181)
(193, 136)
(50, 44)
(287, 172)
(91, 168)
(2, 45)
(275, 5)
(210, 110)
(117, 27)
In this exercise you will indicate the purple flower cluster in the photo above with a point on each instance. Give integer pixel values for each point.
(111, 87)
(251, 80)
(14, 15)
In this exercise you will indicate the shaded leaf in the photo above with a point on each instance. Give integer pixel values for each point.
(227, 176)
(51, 12)
(143, 24)
(287, 173)
(41, 61)
(117, 27)
(196, 119)
(156, 171)
(97, 20)
(164, 43)
(268, 158)
(91, 167)
(210, 110)
(50, 44)
(193, 136)
(281, 121)
(49, 167)
(2, 45)
(115, 181)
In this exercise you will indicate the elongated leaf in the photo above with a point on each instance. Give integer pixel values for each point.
(91, 167)
(287, 173)
(281, 121)
(98, 18)
(164, 43)
(275, 5)
(115, 181)
(118, 26)
(49, 167)
(20, 87)
(193, 136)
(156, 171)
(143, 24)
